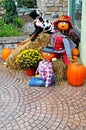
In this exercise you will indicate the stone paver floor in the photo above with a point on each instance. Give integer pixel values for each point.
(38, 108)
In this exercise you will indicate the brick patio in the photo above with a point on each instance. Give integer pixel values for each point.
(39, 108)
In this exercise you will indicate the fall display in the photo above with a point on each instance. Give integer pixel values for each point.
(52, 50)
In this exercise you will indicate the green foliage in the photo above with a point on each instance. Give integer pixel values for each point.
(27, 3)
(11, 12)
(18, 22)
(10, 29)
(0, 3)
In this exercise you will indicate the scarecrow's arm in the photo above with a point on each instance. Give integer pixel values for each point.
(73, 35)
(67, 47)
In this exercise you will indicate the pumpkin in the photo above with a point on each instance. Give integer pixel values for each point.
(76, 73)
(74, 57)
(5, 53)
(63, 26)
(48, 56)
(75, 52)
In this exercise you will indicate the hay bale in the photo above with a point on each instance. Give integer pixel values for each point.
(59, 69)
(39, 43)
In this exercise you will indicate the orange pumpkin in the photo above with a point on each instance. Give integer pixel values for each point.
(74, 57)
(5, 53)
(76, 74)
(48, 56)
(63, 26)
(75, 52)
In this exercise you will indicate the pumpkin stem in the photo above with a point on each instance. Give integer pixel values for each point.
(76, 60)
(79, 62)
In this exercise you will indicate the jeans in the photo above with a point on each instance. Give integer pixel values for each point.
(38, 81)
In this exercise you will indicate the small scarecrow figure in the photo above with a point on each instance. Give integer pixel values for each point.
(65, 26)
(44, 70)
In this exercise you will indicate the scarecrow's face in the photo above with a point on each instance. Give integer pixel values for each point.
(48, 56)
(63, 25)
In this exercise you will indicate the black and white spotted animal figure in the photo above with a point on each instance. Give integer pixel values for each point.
(35, 13)
(40, 23)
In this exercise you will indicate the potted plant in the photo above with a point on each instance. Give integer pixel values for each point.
(28, 59)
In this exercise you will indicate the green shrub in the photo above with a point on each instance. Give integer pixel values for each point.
(18, 22)
(11, 12)
(27, 3)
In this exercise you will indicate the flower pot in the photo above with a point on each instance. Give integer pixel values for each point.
(30, 72)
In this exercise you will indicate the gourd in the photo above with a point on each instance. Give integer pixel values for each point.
(5, 53)
(48, 56)
(75, 53)
(76, 73)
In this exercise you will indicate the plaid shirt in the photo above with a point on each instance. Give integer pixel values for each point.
(45, 71)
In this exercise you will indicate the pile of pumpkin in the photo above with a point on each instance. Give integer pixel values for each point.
(76, 71)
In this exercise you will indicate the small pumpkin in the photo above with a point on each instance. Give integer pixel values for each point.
(76, 73)
(75, 52)
(74, 57)
(48, 56)
(63, 26)
(5, 53)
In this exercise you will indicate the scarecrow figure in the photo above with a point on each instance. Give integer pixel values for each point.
(65, 26)
(44, 70)
(63, 46)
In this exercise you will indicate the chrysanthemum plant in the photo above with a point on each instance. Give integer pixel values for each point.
(28, 59)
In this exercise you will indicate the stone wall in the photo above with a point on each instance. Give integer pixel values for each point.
(11, 42)
(49, 7)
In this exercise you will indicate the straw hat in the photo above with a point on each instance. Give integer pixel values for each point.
(64, 18)
(50, 49)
